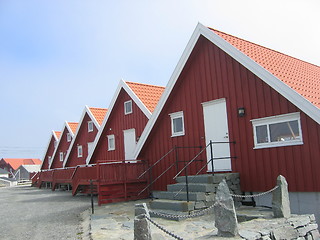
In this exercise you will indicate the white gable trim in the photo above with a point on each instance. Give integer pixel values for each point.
(65, 126)
(85, 110)
(133, 96)
(295, 98)
(53, 135)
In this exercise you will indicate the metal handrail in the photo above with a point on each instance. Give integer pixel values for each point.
(157, 162)
(210, 161)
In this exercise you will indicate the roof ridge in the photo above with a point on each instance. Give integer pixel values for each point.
(215, 30)
(98, 108)
(145, 84)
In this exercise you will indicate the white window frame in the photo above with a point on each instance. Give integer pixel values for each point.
(125, 108)
(80, 151)
(110, 147)
(90, 126)
(55, 144)
(174, 116)
(272, 120)
(49, 160)
(61, 156)
(68, 137)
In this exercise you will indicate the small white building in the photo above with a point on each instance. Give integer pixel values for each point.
(24, 171)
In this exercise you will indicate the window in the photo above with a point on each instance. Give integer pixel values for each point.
(49, 160)
(90, 126)
(79, 151)
(276, 131)
(127, 107)
(61, 156)
(68, 137)
(55, 144)
(177, 124)
(111, 143)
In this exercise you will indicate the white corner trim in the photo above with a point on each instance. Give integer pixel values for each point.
(65, 126)
(53, 135)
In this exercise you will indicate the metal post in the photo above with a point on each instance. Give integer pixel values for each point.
(91, 188)
(211, 158)
(187, 184)
(177, 157)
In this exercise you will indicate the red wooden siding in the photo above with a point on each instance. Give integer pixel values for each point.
(118, 122)
(49, 152)
(82, 138)
(63, 146)
(211, 74)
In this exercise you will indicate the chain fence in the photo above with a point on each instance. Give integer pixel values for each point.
(254, 195)
(195, 214)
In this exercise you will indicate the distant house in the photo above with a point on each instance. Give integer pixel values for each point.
(4, 173)
(60, 152)
(52, 144)
(24, 172)
(129, 112)
(84, 137)
(12, 164)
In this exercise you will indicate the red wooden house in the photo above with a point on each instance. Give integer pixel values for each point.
(87, 130)
(226, 89)
(53, 141)
(12, 164)
(62, 148)
(129, 112)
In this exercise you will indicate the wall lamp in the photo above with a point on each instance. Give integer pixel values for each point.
(241, 112)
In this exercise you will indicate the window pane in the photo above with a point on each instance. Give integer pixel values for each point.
(177, 125)
(285, 131)
(262, 134)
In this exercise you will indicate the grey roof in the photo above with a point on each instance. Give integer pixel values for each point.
(3, 171)
(31, 168)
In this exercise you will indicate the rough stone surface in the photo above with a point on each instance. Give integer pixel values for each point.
(285, 232)
(280, 199)
(141, 224)
(224, 212)
(250, 235)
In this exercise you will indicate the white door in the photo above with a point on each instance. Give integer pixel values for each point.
(129, 143)
(216, 130)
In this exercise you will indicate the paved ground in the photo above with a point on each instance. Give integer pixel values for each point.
(30, 213)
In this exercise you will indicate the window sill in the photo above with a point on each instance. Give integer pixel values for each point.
(271, 145)
(177, 135)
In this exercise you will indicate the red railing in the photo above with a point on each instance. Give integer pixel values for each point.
(82, 176)
(62, 175)
(118, 181)
(34, 178)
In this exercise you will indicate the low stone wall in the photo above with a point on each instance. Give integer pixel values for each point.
(296, 227)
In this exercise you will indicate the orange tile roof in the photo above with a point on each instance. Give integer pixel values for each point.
(73, 126)
(301, 76)
(15, 163)
(148, 94)
(57, 134)
(98, 113)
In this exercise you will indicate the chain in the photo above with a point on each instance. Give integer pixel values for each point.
(163, 229)
(172, 216)
(254, 195)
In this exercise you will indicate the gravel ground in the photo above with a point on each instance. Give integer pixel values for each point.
(32, 213)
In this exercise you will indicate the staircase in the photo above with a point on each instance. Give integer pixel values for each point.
(202, 190)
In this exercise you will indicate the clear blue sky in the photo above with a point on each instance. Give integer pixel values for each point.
(58, 56)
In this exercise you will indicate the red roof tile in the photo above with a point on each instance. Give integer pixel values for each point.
(301, 76)
(15, 163)
(148, 94)
(57, 134)
(98, 113)
(73, 126)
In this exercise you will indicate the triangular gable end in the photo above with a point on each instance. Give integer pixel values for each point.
(65, 126)
(295, 98)
(56, 138)
(134, 97)
(86, 110)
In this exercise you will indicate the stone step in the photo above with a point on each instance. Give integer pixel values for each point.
(193, 196)
(209, 178)
(166, 204)
(193, 187)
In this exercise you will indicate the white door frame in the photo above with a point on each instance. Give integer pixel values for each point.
(129, 141)
(216, 129)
